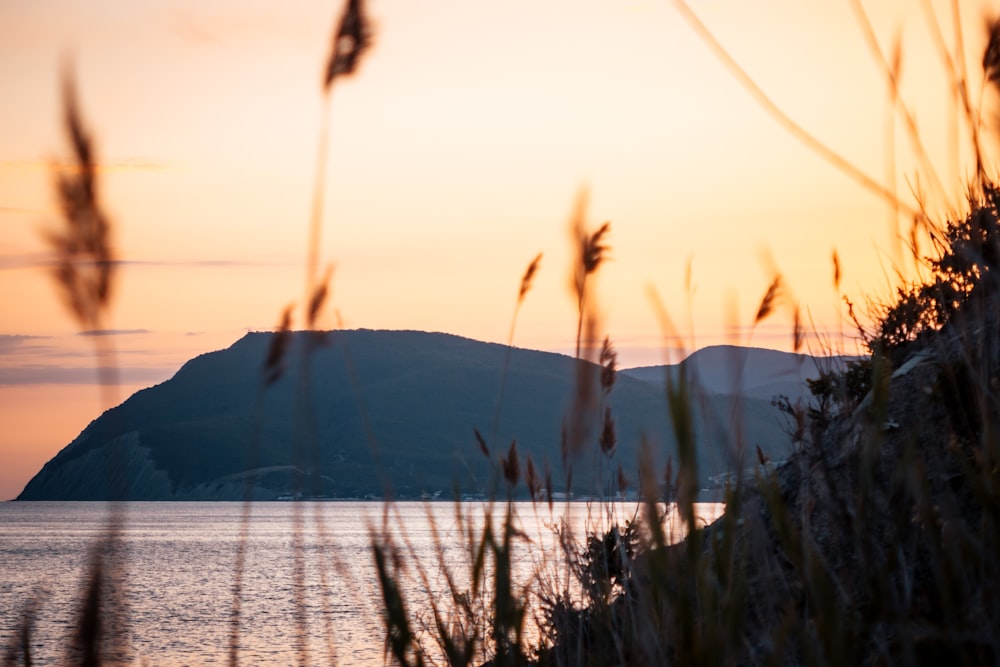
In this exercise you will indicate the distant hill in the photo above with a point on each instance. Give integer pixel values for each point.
(748, 371)
(380, 410)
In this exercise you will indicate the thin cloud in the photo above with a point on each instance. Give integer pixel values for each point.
(200, 263)
(104, 166)
(73, 350)
(41, 375)
(45, 260)
(25, 260)
(9, 342)
(113, 332)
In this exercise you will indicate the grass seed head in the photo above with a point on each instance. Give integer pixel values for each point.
(836, 270)
(85, 261)
(274, 363)
(529, 275)
(608, 361)
(798, 334)
(594, 249)
(482, 442)
(532, 481)
(608, 437)
(350, 41)
(769, 301)
(991, 55)
(623, 481)
(511, 465)
(318, 298)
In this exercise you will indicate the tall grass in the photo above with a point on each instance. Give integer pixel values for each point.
(85, 273)
(875, 543)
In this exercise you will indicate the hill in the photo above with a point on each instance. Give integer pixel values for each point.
(371, 412)
(751, 372)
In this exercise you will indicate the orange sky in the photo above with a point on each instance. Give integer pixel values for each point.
(454, 157)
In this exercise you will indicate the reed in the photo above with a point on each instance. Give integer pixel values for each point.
(876, 542)
(85, 273)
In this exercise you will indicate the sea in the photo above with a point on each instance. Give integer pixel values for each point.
(308, 589)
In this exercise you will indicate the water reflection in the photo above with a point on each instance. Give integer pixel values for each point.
(181, 556)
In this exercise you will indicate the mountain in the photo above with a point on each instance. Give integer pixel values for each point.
(747, 371)
(370, 412)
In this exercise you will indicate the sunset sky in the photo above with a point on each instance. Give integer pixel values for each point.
(455, 156)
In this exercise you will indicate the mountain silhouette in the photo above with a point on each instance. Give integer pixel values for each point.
(365, 413)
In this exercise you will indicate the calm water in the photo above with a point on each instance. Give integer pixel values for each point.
(180, 564)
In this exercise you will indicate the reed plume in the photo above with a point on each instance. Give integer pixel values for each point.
(836, 270)
(274, 363)
(592, 254)
(85, 258)
(351, 40)
(991, 55)
(608, 361)
(591, 251)
(526, 282)
(320, 293)
(608, 439)
(623, 480)
(84, 272)
(769, 301)
(482, 442)
(528, 277)
(532, 481)
(511, 465)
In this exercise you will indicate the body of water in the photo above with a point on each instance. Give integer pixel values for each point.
(309, 589)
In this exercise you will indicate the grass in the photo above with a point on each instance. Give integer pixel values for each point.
(877, 542)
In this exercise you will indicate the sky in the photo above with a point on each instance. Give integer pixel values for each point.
(455, 155)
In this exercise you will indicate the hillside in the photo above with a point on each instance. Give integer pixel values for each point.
(376, 411)
(750, 372)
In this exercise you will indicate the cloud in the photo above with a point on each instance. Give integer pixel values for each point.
(73, 349)
(199, 263)
(105, 166)
(10, 341)
(113, 332)
(46, 260)
(25, 260)
(36, 375)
